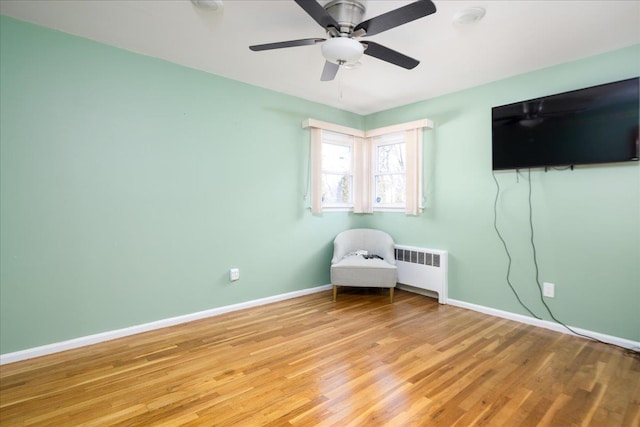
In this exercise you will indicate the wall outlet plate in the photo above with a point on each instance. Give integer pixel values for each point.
(234, 274)
(548, 289)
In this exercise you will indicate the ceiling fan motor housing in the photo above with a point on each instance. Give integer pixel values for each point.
(348, 13)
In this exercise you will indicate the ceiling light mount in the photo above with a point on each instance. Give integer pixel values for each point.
(469, 15)
(347, 13)
(208, 4)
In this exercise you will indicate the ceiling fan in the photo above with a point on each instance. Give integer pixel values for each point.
(342, 20)
(532, 113)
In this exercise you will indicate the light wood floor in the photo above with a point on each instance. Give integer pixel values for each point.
(309, 361)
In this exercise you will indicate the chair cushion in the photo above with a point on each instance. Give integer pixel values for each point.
(358, 271)
(370, 240)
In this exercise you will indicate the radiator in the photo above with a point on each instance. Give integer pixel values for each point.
(423, 268)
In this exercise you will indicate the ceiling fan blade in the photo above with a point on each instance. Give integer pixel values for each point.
(318, 13)
(290, 43)
(329, 72)
(378, 51)
(396, 17)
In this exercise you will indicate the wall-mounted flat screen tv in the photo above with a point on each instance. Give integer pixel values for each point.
(598, 124)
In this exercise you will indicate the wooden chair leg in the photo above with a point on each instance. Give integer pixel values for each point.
(391, 295)
(335, 292)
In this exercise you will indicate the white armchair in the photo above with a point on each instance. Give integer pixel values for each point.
(350, 267)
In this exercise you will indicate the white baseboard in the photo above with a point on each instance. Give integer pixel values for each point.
(622, 342)
(119, 333)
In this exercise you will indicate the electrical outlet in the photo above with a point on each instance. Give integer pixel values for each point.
(548, 289)
(234, 274)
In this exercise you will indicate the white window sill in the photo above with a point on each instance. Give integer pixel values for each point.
(350, 209)
(389, 209)
(337, 208)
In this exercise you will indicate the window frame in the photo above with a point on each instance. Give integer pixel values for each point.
(345, 140)
(395, 138)
(361, 184)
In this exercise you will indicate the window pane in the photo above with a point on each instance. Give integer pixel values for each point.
(336, 158)
(391, 158)
(336, 188)
(390, 189)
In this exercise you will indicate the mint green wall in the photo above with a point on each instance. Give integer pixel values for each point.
(130, 186)
(586, 221)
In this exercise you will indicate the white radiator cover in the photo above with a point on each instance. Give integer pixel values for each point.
(423, 268)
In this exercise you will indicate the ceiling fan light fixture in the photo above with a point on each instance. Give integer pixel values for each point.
(342, 50)
(532, 122)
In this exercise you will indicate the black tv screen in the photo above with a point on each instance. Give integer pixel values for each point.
(598, 124)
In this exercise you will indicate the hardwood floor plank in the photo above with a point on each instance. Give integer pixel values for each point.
(310, 361)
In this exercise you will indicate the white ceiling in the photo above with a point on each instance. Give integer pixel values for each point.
(514, 37)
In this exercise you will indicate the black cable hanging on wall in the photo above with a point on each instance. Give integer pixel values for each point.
(506, 248)
(632, 351)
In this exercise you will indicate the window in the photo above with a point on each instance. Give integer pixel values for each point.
(337, 170)
(365, 171)
(389, 171)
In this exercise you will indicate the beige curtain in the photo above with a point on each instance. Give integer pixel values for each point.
(362, 176)
(316, 170)
(413, 139)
